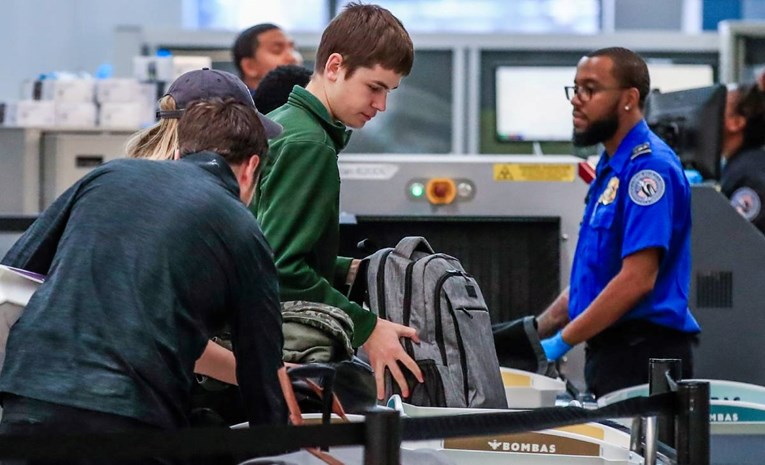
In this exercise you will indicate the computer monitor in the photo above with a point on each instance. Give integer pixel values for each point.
(671, 77)
(531, 106)
(690, 121)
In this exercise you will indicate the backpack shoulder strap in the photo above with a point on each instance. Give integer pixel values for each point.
(407, 246)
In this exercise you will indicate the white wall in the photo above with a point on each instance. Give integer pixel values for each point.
(37, 36)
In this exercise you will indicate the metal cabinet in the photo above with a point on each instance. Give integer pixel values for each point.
(66, 157)
(37, 165)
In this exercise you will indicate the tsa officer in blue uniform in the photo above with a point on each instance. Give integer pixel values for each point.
(743, 177)
(628, 296)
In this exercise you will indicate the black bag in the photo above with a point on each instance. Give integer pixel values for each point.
(353, 384)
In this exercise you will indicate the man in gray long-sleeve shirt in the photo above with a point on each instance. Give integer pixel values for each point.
(145, 260)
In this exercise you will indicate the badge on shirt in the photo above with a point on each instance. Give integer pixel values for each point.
(609, 194)
(642, 149)
(746, 201)
(646, 187)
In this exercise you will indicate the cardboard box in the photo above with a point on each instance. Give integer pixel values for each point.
(167, 68)
(117, 90)
(183, 64)
(76, 114)
(30, 113)
(67, 90)
(121, 115)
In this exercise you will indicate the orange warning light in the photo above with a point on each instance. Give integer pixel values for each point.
(441, 191)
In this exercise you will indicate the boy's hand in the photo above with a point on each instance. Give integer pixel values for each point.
(385, 350)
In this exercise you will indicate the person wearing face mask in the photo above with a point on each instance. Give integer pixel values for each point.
(261, 48)
(628, 298)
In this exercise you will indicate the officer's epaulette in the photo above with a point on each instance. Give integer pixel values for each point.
(641, 149)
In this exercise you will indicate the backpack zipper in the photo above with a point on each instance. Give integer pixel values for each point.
(461, 347)
(381, 284)
(407, 311)
(467, 310)
(439, 325)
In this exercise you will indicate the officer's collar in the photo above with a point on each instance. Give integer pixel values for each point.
(637, 135)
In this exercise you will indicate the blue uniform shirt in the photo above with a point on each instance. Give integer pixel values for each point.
(639, 199)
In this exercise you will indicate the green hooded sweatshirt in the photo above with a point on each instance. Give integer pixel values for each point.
(297, 206)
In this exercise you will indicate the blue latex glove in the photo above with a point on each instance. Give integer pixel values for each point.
(555, 347)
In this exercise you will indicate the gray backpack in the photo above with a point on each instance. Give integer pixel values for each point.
(431, 292)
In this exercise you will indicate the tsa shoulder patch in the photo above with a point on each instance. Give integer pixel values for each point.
(646, 187)
(746, 201)
(642, 149)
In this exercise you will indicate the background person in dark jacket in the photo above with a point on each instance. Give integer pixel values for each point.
(743, 176)
(144, 261)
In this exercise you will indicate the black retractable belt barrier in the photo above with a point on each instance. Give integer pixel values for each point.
(532, 420)
(187, 443)
(380, 433)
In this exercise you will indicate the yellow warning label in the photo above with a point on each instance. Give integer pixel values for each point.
(549, 172)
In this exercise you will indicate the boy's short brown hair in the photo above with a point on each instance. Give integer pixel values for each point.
(366, 35)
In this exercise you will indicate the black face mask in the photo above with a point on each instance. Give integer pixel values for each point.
(599, 131)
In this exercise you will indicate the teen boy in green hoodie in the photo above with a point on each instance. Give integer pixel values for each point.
(363, 54)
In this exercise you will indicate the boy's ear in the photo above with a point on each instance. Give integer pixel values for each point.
(332, 66)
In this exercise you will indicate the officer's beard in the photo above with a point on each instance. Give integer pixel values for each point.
(599, 131)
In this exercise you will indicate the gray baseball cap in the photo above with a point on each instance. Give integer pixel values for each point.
(204, 84)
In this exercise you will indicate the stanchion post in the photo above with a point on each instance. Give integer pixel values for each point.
(658, 368)
(692, 423)
(383, 437)
(636, 436)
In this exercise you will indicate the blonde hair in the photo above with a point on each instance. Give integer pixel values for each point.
(157, 142)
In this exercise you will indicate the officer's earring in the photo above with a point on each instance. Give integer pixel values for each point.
(627, 108)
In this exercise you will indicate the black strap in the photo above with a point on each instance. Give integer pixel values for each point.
(532, 420)
(169, 114)
(269, 440)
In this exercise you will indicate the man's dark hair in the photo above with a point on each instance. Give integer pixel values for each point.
(751, 105)
(629, 69)
(246, 43)
(366, 35)
(228, 128)
(275, 87)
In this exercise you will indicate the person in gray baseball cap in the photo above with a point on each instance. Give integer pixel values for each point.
(160, 141)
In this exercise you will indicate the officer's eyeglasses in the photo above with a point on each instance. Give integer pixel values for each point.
(585, 93)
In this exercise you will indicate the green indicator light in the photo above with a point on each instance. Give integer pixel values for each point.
(417, 190)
